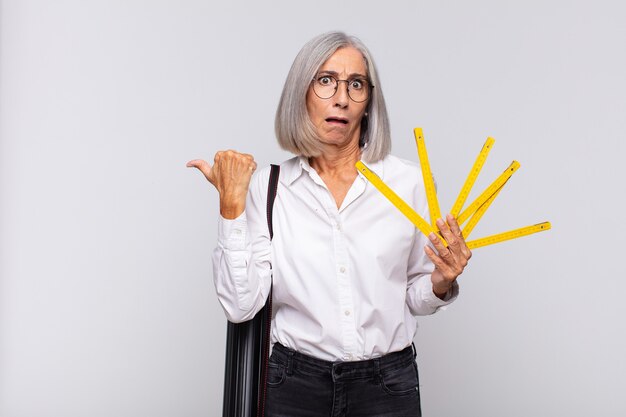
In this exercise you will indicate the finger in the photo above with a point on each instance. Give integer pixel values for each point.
(234, 159)
(252, 162)
(448, 274)
(443, 252)
(456, 230)
(236, 163)
(201, 165)
(436, 260)
(454, 226)
(197, 163)
(243, 162)
(453, 241)
(249, 160)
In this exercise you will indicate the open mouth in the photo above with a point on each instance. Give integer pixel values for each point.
(337, 120)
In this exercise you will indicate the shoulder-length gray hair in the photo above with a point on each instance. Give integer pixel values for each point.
(295, 130)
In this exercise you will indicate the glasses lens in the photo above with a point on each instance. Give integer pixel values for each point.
(358, 89)
(325, 86)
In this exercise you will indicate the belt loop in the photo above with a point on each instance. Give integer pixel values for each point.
(377, 376)
(414, 350)
(290, 354)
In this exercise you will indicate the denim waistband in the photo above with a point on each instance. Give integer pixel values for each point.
(292, 359)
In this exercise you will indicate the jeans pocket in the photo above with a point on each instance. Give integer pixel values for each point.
(401, 381)
(275, 374)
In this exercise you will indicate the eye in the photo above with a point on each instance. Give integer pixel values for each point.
(325, 80)
(357, 84)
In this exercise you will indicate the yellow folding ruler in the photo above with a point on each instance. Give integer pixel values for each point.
(395, 199)
(471, 178)
(489, 192)
(511, 234)
(429, 181)
(473, 212)
(473, 221)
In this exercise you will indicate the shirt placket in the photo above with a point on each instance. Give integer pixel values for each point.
(346, 319)
(344, 288)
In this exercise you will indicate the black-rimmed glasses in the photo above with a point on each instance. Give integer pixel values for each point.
(325, 86)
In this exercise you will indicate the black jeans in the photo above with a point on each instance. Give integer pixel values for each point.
(303, 386)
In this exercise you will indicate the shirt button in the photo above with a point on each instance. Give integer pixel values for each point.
(342, 269)
(347, 312)
(237, 231)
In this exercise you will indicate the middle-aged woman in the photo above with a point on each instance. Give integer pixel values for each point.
(350, 273)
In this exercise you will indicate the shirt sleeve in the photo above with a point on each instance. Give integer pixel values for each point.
(242, 258)
(420, 297)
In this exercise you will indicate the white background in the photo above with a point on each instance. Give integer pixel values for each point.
(107, 306)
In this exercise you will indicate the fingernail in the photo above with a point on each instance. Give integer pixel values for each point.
(432, 236)
(440, 222)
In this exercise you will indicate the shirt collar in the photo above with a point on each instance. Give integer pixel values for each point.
(376, 167)
(293, 168)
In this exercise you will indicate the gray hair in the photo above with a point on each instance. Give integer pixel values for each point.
(295, 130)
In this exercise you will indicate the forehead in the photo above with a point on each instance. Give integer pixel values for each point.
(345, 61)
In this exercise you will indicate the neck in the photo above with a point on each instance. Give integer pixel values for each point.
(337, 160)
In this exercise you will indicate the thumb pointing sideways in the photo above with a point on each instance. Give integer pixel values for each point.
(202, 165)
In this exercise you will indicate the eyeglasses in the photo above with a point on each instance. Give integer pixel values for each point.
(325, 86)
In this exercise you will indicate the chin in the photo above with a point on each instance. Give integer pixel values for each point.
(336, 139)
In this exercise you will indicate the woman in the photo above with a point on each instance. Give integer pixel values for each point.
(350, 273)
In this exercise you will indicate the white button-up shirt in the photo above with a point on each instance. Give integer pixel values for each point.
(347, 282)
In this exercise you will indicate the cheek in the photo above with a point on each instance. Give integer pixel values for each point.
(314, 108)
(364, 107)
(359, 116)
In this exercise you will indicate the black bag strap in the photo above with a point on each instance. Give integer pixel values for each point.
(272, 188)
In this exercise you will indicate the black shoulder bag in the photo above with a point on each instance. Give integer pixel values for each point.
(247, 346)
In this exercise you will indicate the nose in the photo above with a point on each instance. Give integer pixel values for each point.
(341, 96)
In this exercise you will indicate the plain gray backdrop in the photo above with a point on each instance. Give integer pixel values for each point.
(107, 305)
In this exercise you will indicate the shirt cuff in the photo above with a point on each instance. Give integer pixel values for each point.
(232, 233)
(436, 302)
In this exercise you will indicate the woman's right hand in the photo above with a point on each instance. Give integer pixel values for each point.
(230, 174)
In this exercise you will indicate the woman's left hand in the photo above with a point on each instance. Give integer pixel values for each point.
(449, 262)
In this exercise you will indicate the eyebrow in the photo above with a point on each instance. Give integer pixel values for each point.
(336, 74)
